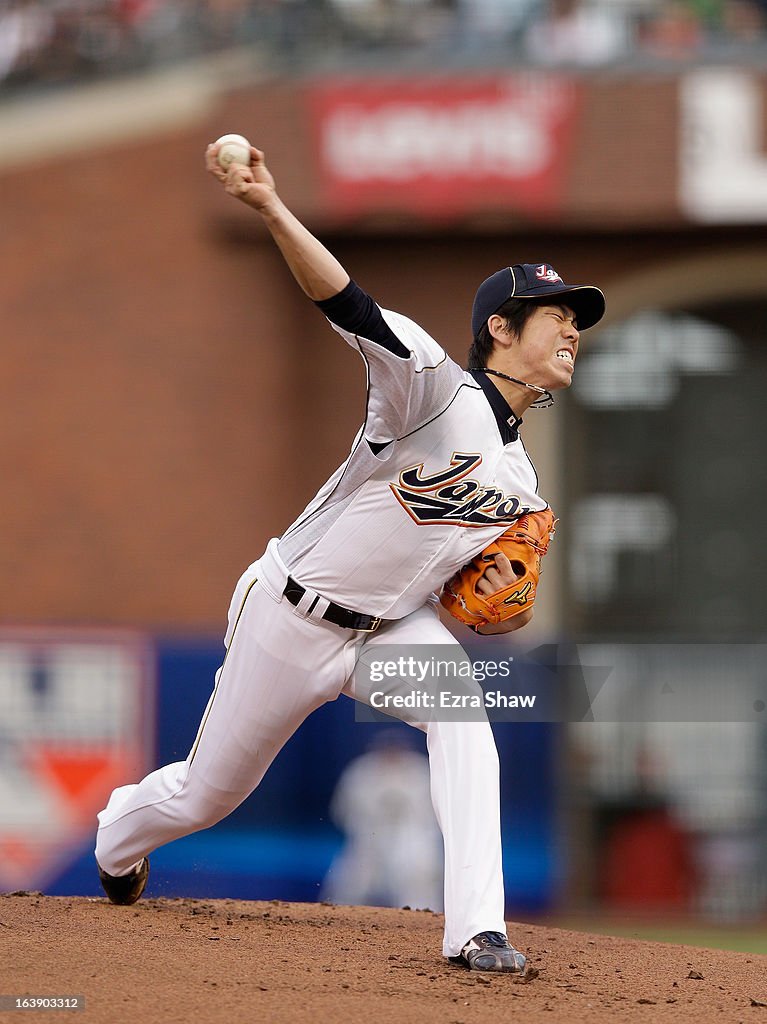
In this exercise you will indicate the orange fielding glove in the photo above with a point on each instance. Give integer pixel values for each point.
(524, 544)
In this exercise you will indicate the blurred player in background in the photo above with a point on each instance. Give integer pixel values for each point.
(393, 851)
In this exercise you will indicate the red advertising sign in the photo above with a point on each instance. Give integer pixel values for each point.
(444, 147)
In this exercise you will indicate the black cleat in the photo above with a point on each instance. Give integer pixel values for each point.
(491, 951)
(125, 889)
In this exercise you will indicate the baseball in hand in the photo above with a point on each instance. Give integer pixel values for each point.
(234, 149)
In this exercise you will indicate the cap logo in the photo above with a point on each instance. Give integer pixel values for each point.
(546, 273)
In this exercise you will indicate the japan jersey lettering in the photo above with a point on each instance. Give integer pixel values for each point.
(430, 480)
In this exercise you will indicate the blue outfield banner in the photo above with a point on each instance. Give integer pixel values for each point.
(280, 843)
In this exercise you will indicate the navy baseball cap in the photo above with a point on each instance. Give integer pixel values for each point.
(535, 281)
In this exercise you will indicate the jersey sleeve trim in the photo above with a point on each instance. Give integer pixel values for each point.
(353, 310)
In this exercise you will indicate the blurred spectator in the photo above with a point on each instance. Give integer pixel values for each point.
(675, 32)
(377, 23)
(483, 24)
(98, 40)
(707, 12)
(26, 28)
(367, 22)
(225, 21)
(571, 32)
(393, 851)
(55, 41)
(155, 30)
(744, 23)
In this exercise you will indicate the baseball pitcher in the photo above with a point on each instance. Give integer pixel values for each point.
(437, 488)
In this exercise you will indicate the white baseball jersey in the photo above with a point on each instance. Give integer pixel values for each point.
(436, 472)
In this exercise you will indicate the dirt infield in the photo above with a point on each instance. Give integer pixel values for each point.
(231, 961)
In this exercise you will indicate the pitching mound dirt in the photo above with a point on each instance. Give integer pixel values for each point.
(231, 961)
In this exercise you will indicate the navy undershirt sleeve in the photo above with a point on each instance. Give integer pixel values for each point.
(353, 310)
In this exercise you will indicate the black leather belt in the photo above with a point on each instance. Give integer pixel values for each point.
(334, 612)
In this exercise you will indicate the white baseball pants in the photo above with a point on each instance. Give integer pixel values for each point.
(281, 665)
